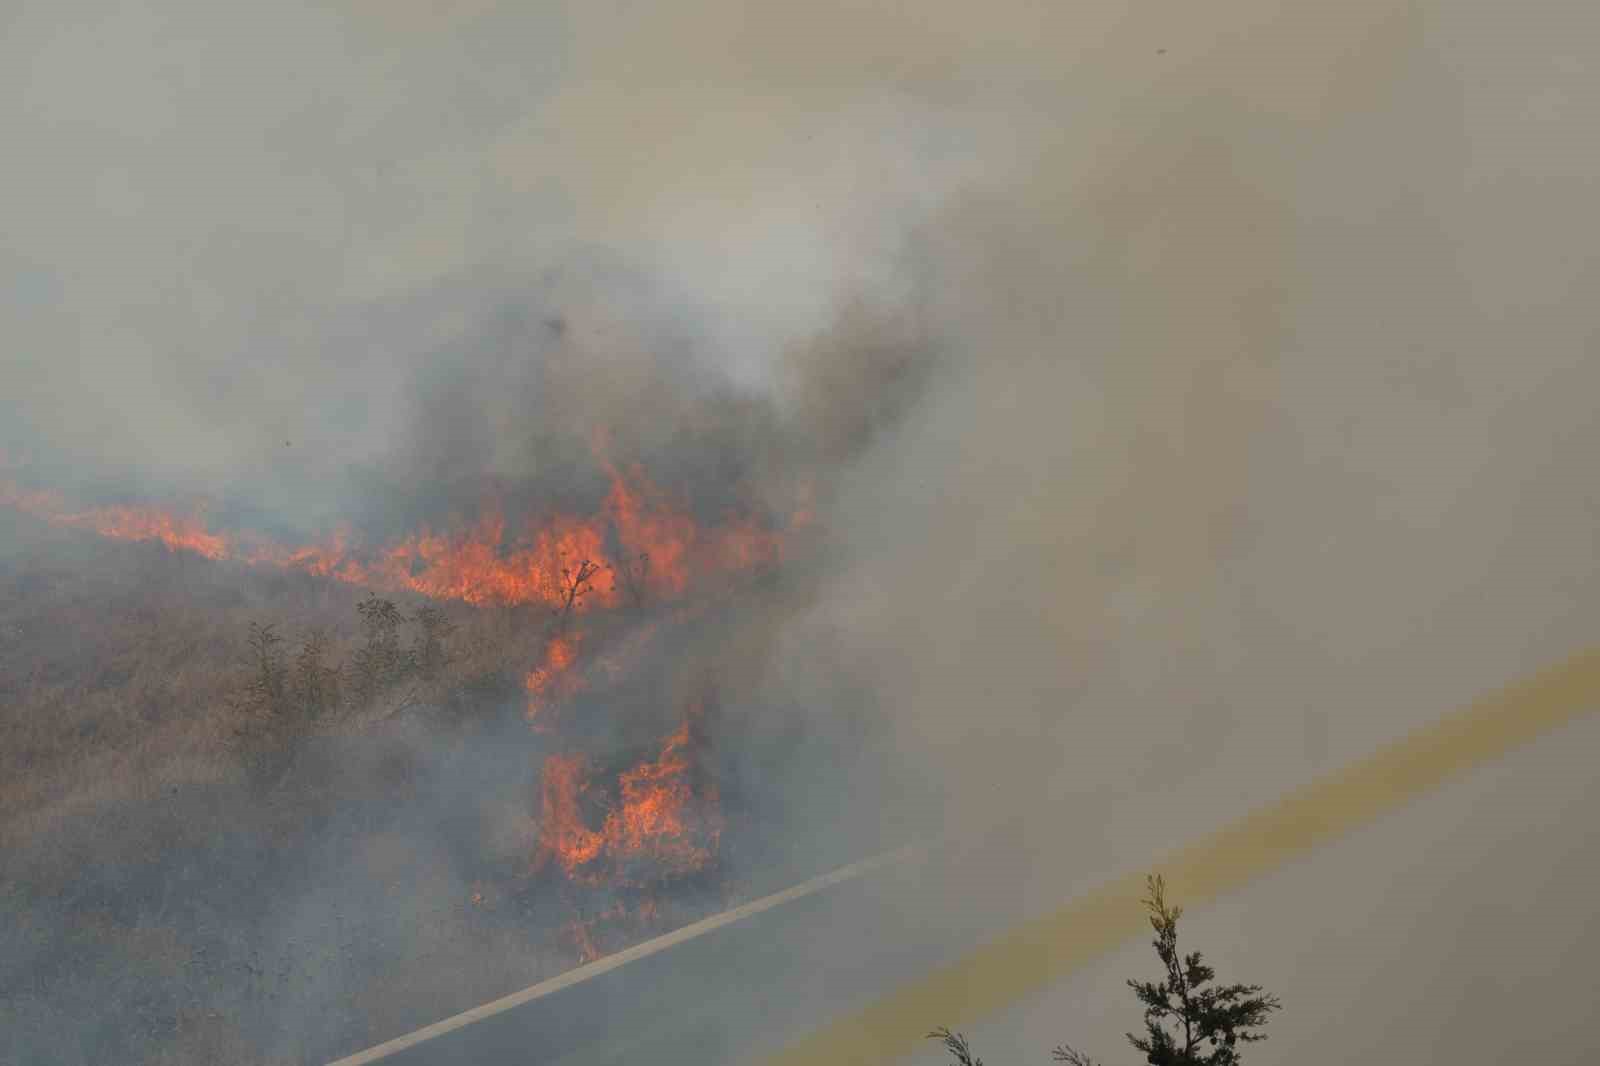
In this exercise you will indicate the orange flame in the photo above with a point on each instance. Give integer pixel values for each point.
(653, 822)
(326, 559)
(120, 522)
(554, 678)
(485, 563)
(651, 533)
(662, 549)
(146, 523)
(563, 834)
(661, 822)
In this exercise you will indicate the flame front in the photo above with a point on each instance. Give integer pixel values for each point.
(656, 822)
(120, 521)
(636, 830)
(661, 827)
(638, 544)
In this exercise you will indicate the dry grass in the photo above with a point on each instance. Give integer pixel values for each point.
(173, 893)
(119, 664)
(117, 660)
(149, 879)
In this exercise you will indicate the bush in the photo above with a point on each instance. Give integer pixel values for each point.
(380, 662)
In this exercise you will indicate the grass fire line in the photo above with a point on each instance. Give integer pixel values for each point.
(646, 544)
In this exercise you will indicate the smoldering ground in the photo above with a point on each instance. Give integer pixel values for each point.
(1207, 377)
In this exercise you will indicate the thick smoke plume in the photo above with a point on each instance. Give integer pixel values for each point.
(1186, 397)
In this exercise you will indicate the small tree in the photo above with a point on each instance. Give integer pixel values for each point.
(263, 731)
(575, 582)
(266, 690)
(1208, 1024)
(316, 684)
(1186, 1024)
(380, 662)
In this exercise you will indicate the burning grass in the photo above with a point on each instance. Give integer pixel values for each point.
(126, 666)
(638, 544)
(662, 820)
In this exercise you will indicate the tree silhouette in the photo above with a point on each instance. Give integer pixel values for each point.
(575, 583)
(956, 1044)
(266, 690)
(380, 661)
(1207, 1025)
(429, 652)
(1186, 1023)
(316, 684)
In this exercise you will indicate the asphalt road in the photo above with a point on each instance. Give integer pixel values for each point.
(745, 984)
(749, 986)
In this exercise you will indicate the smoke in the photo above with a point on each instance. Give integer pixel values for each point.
(248, 255)
(1193, 397)
(1235, 408)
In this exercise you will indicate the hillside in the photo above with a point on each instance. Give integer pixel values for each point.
(185, 885)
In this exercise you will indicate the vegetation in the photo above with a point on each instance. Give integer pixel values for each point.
(1186, 1023)
(279, 703)
(194, 753)
(317, 685)
(430, 654)
(380, 663)
(259, 817)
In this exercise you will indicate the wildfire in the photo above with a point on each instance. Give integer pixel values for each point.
(121, 522)
(563, 834)
(144, 523)
(558, 562)
(485, 566)
(554, 678)
(637, 545)
(658, 540)
(661, 826)
(657, 819)
(630, 831)
(324, 559)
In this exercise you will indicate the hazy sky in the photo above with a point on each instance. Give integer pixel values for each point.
(1267, 362)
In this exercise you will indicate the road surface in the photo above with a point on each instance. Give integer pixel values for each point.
(853, 966)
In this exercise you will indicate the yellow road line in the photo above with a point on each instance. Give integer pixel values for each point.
(1042, 951)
